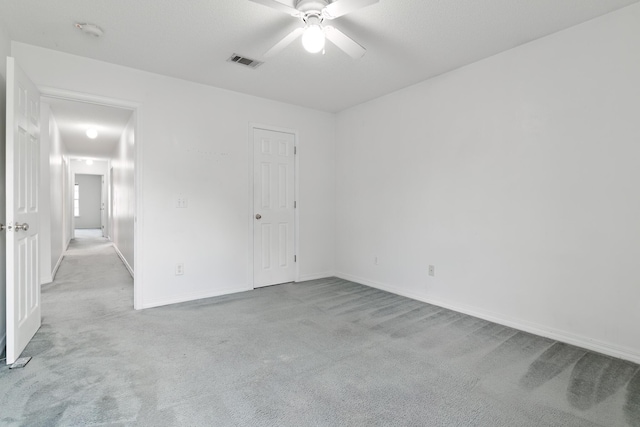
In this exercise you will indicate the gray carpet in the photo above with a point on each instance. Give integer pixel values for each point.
(321, 353)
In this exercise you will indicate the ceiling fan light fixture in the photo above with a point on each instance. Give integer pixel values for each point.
(314, 35)
(313, 38)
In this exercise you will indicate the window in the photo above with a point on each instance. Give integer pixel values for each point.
(76, 200)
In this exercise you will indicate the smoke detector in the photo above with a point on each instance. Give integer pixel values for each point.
(90, 29)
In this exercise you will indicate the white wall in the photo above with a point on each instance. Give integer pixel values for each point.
(517, 177)
(90, 201)
(99, 167)
(5, 50)
(123, 176)
(59, 209)
(194, 141)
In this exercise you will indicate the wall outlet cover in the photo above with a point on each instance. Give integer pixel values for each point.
(179, 269)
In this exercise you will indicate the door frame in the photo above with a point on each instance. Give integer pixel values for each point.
(110, 203)
(103, 201)
(138, 223)
(296, 192)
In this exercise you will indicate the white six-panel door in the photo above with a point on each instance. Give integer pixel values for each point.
(273, 205)
(23, 154)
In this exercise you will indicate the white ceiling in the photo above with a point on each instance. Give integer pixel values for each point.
(74, 118)
(407, 40)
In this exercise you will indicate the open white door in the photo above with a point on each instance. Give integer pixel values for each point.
(273, 204)
(23, 154)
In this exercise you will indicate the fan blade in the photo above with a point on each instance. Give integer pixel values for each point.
(274, 4)
(284, 42)
(344, 42)
(342, 7)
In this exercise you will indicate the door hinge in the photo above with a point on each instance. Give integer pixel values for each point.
(295, 204)
(295, 150)
(295, 258)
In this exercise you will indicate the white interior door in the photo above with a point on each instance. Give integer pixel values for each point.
(273, 202)
(23, 154)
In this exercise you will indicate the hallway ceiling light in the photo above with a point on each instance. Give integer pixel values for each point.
(89, 162)
(92, 133)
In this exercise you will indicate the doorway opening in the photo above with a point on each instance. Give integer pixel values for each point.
(90, 147)
(89, 205)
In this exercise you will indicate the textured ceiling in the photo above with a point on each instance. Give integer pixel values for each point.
(407, 41)
(73, 120)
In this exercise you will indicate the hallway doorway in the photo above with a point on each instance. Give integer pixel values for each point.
(89, 204)
(90, 146)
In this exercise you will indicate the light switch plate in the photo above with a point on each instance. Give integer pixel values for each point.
(182, 202)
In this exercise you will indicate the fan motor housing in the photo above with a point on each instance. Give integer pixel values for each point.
(306, 6)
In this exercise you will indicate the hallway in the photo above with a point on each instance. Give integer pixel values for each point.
(90, 300)
(91, 284)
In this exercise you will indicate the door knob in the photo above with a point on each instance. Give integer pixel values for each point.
(23, 227)
(258, 216)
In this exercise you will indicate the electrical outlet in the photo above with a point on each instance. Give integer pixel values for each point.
(432, 271)
(179, 269)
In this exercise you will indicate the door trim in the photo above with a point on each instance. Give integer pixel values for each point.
(138, 227)
(296, 192)
(71, 201)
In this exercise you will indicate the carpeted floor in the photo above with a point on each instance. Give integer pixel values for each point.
(84, 233)
(321, 353)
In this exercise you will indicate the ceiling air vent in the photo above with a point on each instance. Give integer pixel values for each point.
(251, 63)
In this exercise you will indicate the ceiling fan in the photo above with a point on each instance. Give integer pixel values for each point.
(313, 13)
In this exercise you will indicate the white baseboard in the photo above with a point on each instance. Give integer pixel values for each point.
(57, 266)
(305, 277)
(194, 296)
(45, 280)
(203, 295)
(552, 333)
(124, 260)
(3, 343)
